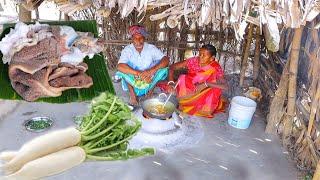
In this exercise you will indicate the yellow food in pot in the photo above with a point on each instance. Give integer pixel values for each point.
(158, 109)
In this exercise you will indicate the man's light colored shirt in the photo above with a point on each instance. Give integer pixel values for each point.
(149, 56)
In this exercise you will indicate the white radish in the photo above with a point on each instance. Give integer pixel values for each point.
(7, 155)
(43, 145)
(50, 164)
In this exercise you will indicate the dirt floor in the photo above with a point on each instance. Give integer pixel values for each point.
(223, 152)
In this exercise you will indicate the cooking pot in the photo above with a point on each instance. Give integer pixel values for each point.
(151, 103)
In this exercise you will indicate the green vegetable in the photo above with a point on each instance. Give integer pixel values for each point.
(122, 155)
(140, 84)
(38, 125)
(107, 128)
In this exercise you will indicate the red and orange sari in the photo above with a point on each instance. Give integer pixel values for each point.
(209, 100)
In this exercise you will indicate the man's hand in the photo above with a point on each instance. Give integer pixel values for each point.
(147, 75)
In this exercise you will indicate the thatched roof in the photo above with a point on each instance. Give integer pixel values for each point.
(235, 13)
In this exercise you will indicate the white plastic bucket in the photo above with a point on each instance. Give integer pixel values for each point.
(241, 112)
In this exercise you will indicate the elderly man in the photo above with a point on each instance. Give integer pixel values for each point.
(141, 65)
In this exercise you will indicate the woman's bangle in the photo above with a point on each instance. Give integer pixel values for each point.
(206, 84)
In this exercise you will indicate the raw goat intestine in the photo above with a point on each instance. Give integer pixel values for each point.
(22, 35)
(35, 58)
(76, 44)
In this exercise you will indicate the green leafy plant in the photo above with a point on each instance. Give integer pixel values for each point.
(107, 128)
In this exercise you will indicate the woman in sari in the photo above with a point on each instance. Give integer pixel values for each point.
(199, 91)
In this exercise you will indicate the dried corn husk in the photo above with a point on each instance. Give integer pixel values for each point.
(292, 13)
(272, 34)
(103, 12)
(172, 21)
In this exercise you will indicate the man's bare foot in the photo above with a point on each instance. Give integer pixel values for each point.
(133, 101)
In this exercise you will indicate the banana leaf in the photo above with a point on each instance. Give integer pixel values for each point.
(96, 69)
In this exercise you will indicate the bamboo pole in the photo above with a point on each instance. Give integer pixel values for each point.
(316, 175)
(292, 87)
(246, 55)
(313, 110)
(256, 63)
(24, 14)
(277, 103)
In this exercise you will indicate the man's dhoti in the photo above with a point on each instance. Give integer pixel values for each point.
(160, 75)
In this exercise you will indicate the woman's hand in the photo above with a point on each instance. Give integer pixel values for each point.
(176, 66)
(221, 83)
(171, 89)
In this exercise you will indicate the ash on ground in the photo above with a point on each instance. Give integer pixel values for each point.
(186, 133)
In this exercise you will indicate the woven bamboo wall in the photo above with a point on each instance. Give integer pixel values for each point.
(304, 141)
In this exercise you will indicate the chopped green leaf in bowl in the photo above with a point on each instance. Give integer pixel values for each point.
(38, 124)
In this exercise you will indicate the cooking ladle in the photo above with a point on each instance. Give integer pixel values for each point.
(170, 82)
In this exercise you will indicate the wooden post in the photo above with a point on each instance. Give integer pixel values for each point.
(256, 63)
(244, 63)
(316, 175)
(221, 43)
(37, 13)
(183, 37)
(66, 17)
(292, 89)
(24, 14)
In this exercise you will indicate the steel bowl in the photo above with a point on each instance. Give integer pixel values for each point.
(149, 104)
(28, 124)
